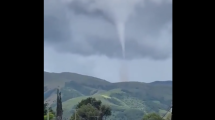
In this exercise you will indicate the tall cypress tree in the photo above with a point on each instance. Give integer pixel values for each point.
(59, 110)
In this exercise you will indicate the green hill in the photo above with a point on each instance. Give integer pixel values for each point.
(128, 100)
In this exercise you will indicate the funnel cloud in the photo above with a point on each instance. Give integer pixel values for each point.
(116, 40)
(124, 73)
(89, 27)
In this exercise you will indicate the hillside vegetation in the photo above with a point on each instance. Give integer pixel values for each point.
(128, 100)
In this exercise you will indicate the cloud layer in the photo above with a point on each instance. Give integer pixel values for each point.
(86, 27)
(111, 69)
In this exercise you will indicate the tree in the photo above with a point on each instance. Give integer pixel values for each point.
(51, 112)
(51, 116)
(95, 103)
(105, 111)
(86, 112)
(50, 109)
(101, 111)
(59, 109)
(152, 116)
(45, 108)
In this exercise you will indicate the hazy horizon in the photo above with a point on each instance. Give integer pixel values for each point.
(108, 80)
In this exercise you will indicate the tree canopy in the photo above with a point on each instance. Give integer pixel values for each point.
(51, 116)
(51, 112)
(91, 109)
(95, 103)
(87, 112)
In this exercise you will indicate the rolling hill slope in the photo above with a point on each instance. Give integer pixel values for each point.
(128, 100)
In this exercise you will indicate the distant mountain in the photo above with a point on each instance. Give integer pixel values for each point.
(161, 83)
(128, 100)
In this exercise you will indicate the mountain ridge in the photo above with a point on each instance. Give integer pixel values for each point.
(71, 73)
(124, 98)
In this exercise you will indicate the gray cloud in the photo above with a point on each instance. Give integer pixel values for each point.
(144, 70)
(84, 29)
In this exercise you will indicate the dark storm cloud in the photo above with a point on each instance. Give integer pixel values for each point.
(56, 23)
(70, 28)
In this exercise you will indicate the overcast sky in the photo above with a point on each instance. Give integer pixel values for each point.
(80, 36)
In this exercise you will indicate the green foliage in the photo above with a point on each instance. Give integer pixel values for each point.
(45, 108)
(51, 116)
(168, 116)
(68, 93)
(129, 114)
(114, 101)
(51, 112)
(87, 112)
(95, 103)
(90, 108)
(50, 109)
(105, 111)
(122, 97)
(152, 116)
